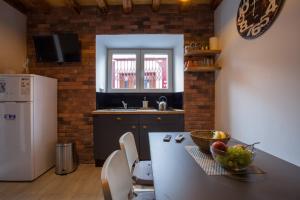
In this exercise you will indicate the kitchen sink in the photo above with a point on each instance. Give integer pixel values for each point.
(135, 109)
(122, 109)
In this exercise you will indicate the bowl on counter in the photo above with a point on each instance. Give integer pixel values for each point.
(204, 138)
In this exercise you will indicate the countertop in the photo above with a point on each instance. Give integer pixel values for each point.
(136, 111)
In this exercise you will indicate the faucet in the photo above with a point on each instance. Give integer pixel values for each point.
(124, 104)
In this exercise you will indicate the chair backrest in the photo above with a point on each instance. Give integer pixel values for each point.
(116, 178)
(127, 144)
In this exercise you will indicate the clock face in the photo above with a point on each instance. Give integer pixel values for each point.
(254, 17)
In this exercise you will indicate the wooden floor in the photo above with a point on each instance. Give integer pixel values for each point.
(83, 184)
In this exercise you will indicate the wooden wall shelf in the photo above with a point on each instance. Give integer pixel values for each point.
(202, 69)
(202, 61)
(202, 53)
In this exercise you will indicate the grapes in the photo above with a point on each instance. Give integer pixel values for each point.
(236, 157)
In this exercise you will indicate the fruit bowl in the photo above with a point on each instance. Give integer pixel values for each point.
(204, 138)
(233, 158)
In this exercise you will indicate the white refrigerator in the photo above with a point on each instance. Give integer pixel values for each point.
(28, 126)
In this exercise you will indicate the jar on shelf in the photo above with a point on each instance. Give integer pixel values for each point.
(189, 64)
(213, 43)
(187, 48)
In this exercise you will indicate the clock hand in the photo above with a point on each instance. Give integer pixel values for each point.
(254, 2)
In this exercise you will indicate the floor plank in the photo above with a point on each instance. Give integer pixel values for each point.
(83, 184)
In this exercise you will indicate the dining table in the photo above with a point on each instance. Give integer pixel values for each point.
(177, 176)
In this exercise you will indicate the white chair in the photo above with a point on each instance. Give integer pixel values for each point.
(116, 180)
(141, 170)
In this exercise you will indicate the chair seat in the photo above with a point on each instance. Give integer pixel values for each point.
(142, 173)
(145, 196)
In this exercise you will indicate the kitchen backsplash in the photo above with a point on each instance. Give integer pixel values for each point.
(112, 100)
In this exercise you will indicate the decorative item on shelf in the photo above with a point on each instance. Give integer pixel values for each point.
(205, 62)
(213, 43)
(202, 62)
(195, 46)
(187, 48)
(191, 63)
(200, 55)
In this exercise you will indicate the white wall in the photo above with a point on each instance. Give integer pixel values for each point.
(12, 39)
(158, 41)
(258, 89)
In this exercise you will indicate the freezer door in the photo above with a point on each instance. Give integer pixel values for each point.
(16, 88)
(16, 160)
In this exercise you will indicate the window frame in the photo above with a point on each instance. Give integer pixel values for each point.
(110, 52)
(139, 69)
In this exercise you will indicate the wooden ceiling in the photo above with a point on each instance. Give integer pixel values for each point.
(120, 2)
(103, 5)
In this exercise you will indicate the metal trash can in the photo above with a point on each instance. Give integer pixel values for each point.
(66, 158)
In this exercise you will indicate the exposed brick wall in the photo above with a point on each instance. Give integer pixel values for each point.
(76, 81)
(199, 104)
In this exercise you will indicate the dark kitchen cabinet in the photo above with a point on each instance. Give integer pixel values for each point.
(157, 123)
(107, 131)
(109, 128)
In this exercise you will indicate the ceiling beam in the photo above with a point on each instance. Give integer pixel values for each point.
(102, 6)
(29, 3)
(127, 6)
(26, 6)
(184, 5)
(73, 5)
(36, 4)
(155, 5)
(18, 5)
(215, 3)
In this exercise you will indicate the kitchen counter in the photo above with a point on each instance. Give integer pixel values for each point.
(136, 111)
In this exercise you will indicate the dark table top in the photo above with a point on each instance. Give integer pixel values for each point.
(177, 176)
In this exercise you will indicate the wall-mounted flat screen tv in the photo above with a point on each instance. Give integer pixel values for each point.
(58, 48)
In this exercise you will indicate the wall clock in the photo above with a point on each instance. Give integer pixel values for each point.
(254, 17)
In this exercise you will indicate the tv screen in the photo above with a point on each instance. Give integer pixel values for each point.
(70, 47)
(45, 49)
(58, 48)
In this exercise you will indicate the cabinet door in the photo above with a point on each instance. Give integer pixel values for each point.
(162, 119)
(176, 126)
(107, 133)
(110, 138)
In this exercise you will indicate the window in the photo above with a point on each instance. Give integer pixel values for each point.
(139, 70)
(123, 75)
